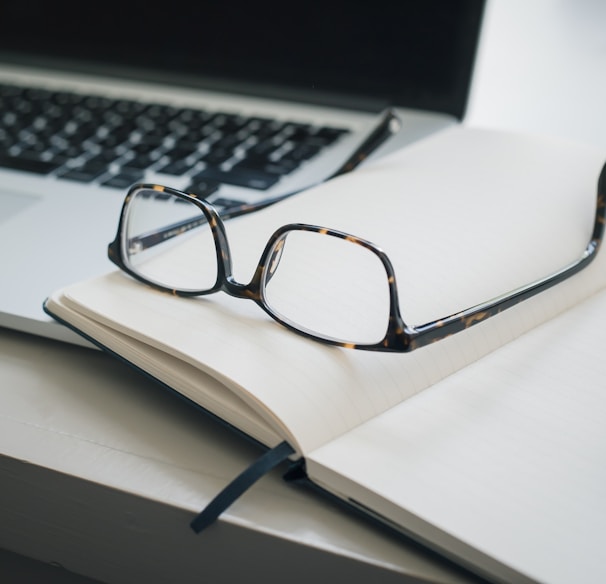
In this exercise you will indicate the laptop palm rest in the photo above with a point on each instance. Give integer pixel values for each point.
(13, 203)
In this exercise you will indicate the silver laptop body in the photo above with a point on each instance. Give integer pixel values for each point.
(240, 102)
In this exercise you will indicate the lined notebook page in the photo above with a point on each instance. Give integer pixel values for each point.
(507, 456)
(464, 216)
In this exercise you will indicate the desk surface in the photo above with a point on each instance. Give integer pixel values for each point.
(101, 471)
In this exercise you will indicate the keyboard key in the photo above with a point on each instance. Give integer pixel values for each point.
(329, 135)
(261, 164)
(217, 156)
(182, 151)
(240, 177)
(202, 187)
(84, 173)
(34, 165)
(302, 152)
(141, 162)
(176, 168)
(123, 180)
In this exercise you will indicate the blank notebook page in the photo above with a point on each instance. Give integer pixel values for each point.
(508, 455)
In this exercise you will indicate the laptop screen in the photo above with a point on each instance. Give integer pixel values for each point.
(410, 53)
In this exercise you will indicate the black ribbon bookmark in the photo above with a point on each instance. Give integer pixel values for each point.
(240, 484)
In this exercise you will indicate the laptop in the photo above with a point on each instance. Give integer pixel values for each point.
(240, 102)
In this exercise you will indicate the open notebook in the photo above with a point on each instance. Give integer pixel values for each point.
(238, 102)
(488, 445)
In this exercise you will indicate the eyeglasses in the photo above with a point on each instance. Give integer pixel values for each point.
(322, 283)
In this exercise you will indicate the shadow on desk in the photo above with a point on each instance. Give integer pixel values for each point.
(17, 569)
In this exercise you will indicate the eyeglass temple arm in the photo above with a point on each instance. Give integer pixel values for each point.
(147, 240)
(433, 331)
(388, 125)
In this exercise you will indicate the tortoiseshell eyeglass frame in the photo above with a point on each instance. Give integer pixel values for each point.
(399, 337)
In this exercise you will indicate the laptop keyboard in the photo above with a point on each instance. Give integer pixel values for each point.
(113, 142)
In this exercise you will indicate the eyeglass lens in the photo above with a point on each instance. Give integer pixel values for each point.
(329, 286)
(168, 241)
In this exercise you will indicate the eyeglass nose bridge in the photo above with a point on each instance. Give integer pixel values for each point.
(266, 268)
(225, 278)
